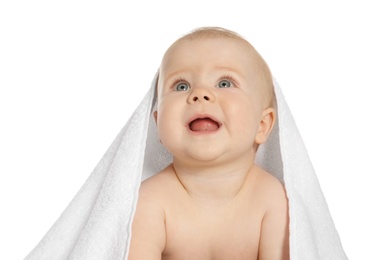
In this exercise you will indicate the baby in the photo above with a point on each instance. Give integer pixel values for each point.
(215, 107)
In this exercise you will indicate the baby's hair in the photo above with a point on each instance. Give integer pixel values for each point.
(211, 32)
(218, 32)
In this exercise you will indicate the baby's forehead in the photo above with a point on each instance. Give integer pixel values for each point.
(234, 43)
(221, 51)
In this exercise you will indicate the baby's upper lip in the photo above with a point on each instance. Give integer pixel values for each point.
(203, 116)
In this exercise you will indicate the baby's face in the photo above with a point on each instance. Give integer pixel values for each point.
(209, 102)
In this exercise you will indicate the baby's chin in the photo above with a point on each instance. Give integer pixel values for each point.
(208, 157)
(212, 158)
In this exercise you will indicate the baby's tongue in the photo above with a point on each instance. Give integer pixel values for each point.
(203, 124)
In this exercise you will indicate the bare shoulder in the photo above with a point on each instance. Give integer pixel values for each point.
(157, 185)
(274, 241)
(273, 189)
(148, 229)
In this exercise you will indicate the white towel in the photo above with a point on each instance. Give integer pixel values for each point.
(97, 222)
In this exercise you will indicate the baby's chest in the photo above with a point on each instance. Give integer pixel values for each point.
(213, 235)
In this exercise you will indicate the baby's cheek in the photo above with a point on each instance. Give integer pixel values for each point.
(168, 126)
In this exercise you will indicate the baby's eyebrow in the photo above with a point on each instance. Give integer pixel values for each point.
(174, 73)
(230, 69)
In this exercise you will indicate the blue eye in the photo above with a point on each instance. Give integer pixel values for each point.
(182, 87)
(224, 83)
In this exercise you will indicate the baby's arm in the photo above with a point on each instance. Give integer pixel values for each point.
(274, 242)
(148, 230)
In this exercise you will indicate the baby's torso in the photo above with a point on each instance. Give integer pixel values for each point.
(197, 230)
(208, 235)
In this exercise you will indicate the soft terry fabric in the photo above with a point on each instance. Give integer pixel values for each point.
(97, 223)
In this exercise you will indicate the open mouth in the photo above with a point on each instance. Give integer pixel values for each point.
(205, 124)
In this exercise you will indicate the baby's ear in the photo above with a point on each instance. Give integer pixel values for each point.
(265, 125)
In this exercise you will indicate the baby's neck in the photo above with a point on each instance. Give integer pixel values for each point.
(211, 186)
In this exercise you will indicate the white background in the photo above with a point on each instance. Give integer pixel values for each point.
(71, 73)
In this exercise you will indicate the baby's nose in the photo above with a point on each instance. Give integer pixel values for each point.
(201, 95)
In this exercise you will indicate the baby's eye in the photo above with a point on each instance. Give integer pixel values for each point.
(182, 86)
(224, 83)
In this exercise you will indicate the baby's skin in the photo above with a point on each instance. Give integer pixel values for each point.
(251, 225)
(212, 202)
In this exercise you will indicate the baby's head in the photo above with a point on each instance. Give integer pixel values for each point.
(216, 91)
